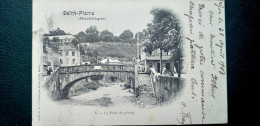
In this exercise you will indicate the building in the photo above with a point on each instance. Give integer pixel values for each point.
(109, 60)
(59, 53)
(69, 55)
(153, 60)
(60, 38)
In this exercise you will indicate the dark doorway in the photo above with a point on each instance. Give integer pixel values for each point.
(168, 66)
(158, 67)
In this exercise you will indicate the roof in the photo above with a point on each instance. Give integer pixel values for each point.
(108, 60)
(157, 57)
(62, 37)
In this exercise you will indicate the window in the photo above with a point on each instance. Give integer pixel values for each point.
(61, 62)
(67, 53)
(60, 53)
(73, 61)
(73, 53)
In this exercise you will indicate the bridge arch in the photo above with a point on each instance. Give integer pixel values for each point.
(66, 89)
(65, 77)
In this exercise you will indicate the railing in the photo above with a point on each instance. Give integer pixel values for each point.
(89, 68)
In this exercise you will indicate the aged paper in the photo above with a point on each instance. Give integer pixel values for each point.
(129, 62)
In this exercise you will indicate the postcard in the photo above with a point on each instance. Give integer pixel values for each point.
(129, 62)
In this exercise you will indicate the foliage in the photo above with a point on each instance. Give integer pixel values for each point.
(145, 33)
(93, 54)
(54, 47)
(55, 39)
(81, 36)
(45, 40)
(104, 50)
(81, 50)
(176, 54)
(148, 47)
(126, 35)
(164, 31)
(75, 42)
(106, 36)
(92, 34)
(57, 31)
(117, 39)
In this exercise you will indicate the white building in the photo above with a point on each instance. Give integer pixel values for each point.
(110, 61)
(60, 38)
(69, 55)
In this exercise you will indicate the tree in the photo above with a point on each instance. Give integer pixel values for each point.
(164, 32)
(75, 42)
(148, 47)
(46, 40)
(82, 50)
(106, 36)
(55, 39)
(116, 39)
(92, 34)
(145, 32)
(81, 36)
(54, 47)
(57, 31)
(93, 54)
(126, 35)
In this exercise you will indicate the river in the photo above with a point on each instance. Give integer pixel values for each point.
(113, 94)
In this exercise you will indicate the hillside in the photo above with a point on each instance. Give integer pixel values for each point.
(109, 50)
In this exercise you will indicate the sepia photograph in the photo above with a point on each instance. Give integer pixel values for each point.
(128, 62)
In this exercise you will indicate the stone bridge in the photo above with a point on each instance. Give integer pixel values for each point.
(62, 79)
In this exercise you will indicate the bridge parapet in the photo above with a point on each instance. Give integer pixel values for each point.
(88, 68)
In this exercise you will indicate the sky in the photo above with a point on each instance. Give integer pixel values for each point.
(120, 15)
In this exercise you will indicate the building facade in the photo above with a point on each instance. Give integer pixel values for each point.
(69, 55)
(153, 60)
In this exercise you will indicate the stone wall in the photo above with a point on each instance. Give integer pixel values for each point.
(52, 85)
(164, 87)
